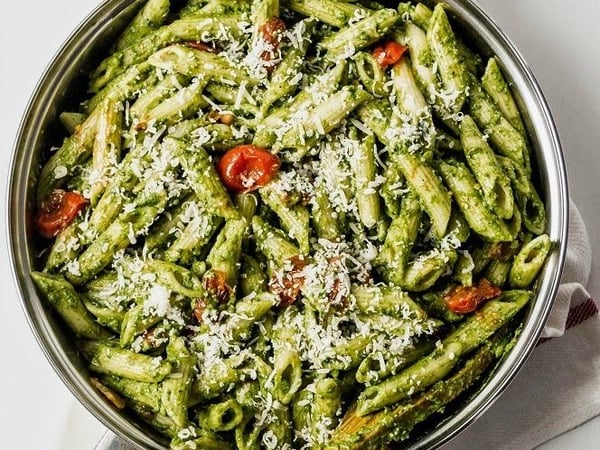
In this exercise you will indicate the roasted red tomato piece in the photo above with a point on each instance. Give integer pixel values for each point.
(203, 46)
(503, 251)
(388, 53)
(287, 285)
(247, 167)
(466, 299)
(58, 210)
(215, 283)
(272, 31)
(199, 308)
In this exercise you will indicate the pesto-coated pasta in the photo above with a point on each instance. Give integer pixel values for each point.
(300, 224)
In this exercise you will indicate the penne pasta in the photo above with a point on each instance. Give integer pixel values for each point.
(291, 224)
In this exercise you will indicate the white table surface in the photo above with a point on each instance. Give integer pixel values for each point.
(558, 39)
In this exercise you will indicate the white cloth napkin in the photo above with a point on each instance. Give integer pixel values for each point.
(559, 386)
(575, 276)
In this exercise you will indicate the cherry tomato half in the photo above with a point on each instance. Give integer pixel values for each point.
(388, 53)
(466, 299)
(58, 211)
(247, 167)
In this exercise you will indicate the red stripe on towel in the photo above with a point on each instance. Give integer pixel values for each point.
(578, 314)
(581, 313)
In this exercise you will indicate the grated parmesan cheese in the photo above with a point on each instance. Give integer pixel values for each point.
(60, 172)
(157, 303)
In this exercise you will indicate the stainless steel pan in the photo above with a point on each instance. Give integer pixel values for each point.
(58, 89)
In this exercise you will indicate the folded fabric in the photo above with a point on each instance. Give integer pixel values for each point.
(574, 277)
(558, 388)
